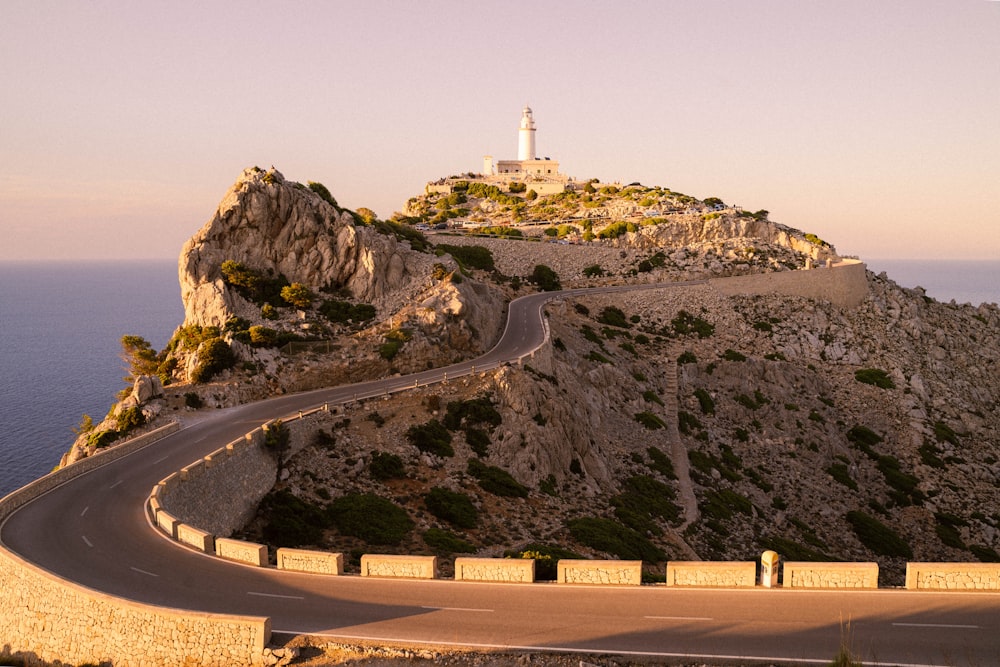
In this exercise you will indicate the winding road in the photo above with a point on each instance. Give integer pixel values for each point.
(93, 530)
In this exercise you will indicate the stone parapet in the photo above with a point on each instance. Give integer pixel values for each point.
(844, 284)
(196, 537)
(244, 552)
(167, 522)
(606, 572)
(405, 567)
(717, 574)
(829, 575)
(316, 562)
(520, 570)
(953, 576)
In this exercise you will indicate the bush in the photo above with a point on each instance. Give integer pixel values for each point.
(643, 499)
(840, 474)
(473, 412)
(686, 323)
(496, 481)
(876, 377)
(385, 466)
(324, 194)
(470, 256)
(298, 295)
(370, 518)
(478, 439)
(661, 463)
(877, 536)
(649, 420)
(546, 279)
(546, 558)
(193, 400)
(705, 401)
(214, 356)
(432, 438)
(447, 542)
(129, 419)
(652, 397)
(262, 336)
(341, 312)
(687, 357)
(593, 271)
(612, 537)
(290, 521)
(733, 355)
(614, 317)
(451, 506)
(389, 349)
(101, 439)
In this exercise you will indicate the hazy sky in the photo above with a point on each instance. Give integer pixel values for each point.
(874, 124)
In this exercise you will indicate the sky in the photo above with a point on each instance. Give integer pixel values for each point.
(874, 124)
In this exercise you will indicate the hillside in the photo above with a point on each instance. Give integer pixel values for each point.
(686, 422)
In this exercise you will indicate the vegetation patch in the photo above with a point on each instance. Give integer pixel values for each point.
(649, 420)
(214, 356)
(840, 473)
(705, 401)
(385, 466)
(447, 542)
(452, 506)
(877, 536)
(497, 481)
(546, 558)
(685, 323)
(290, 521)
(615, 317)
(661, 463)
(612, 537)
(874, 376)
(342, 312)
(431, 438)
(642, 500)
(470, 256)
(370, 518)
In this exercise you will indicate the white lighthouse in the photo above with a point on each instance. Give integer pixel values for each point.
(526, 136)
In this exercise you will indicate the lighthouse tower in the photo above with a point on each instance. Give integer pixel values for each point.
(526, 136)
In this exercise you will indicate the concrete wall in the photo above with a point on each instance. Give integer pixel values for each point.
(953, 576)
(316, 562)
(520, 570)
(829, 575)
(845, 284)
(610, 572)
(45, 618)
(712, 574)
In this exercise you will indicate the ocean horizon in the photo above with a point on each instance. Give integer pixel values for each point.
(62, 322)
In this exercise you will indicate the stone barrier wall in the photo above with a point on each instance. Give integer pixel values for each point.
(844, 284)
(244, 552)
(829, 575)
(520, 570)
(316, 562)
(608, 572)
(712, 574)
(45, 618)
(953, 576)
(405, 567)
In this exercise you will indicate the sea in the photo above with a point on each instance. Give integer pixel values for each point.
(61, 325)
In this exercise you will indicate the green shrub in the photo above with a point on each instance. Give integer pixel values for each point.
(793, 551)
(733, 355)
(840, 473)
(613, 316)
(985, 554)
(341, 312)
(101, 439)
(130, 418)
(947, 530)
(722, 503)
(652, 397)
(389, 349)
(874, 376)
(385, 466)
(763, 325)
(548, 486)
(214, 356)
(470, 256)
(687, 422)
(905, 485)
(253, 285)
(193, 400)
(944, 433)
(865, 439)
(298, 295)
(447, 542)
(593, 271)
(687, 357)
(643, 499)
(877, 536)
(289, 521)
(370, 518)
(661, 463)
(649, 420)
(478, 439)
(546, 279)
(686, 323)
(451, 506)
(546, 558)
(324, 194)
(598, 357)
(473, 412)
(496, 481)
(262, 336)
(432, 438)
(705, 401)
(612, 537)
(277, 438)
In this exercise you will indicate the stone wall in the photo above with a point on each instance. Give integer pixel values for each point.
(829, 575)
(845, 284)
(220, 492)
(520, 570)
(404, 567)
(47, 619)
(953, 576)
(712, 574)
(316, 562)
(607, 572)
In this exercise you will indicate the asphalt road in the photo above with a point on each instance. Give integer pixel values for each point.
(94, 530)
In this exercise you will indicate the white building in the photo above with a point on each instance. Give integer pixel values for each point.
(527, 162)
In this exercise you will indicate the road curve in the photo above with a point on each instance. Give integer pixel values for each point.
(93, 530)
